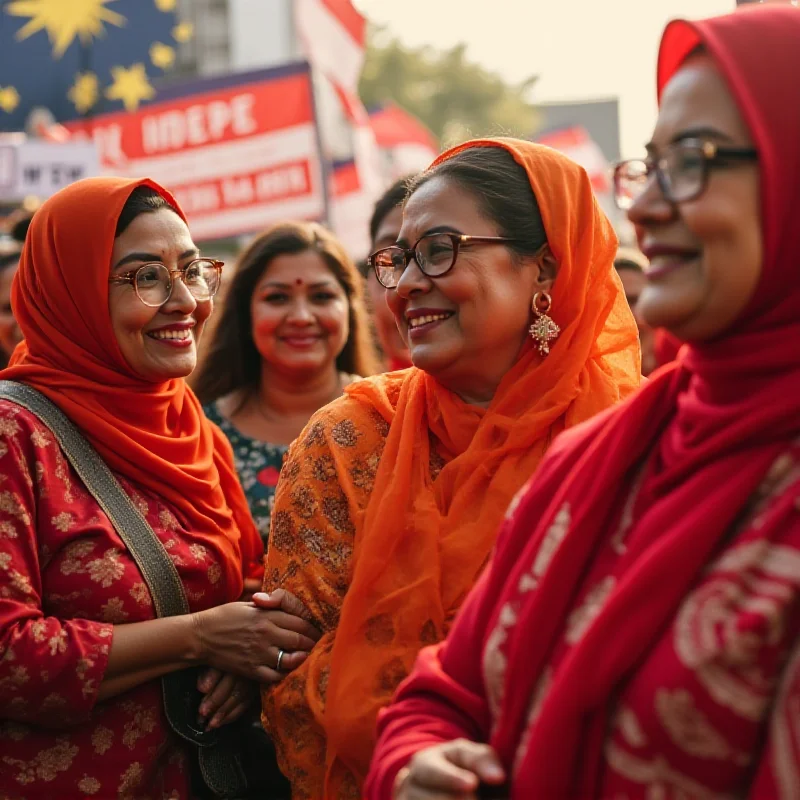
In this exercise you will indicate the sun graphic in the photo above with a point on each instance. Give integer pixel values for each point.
(130, 86)
(64, 20)
(84, 92)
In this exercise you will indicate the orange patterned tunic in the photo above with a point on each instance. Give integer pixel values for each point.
(65, 580)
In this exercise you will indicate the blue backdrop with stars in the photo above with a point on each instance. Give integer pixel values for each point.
(114, 53)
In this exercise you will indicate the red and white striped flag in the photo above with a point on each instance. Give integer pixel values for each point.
(333, 35)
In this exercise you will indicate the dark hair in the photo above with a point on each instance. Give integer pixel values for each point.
(7, 259)
(20, 228)
(503, 192)
(233, 363)
(142, 200)
(387, 203)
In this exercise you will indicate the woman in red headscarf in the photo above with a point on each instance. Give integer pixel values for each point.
(636, 635)
(112, 296)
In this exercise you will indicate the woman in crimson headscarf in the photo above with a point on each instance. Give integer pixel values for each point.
(636, 635)
(112, 296)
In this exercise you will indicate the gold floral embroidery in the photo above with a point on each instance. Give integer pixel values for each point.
(582, 617)
(11, 504)
(168, 520)
(199, 553)
(214, 573)
(140, 593)
(89, 785)
(114, 610)
(534, 709)
(40, 437)
(22, 584)
(63, 521)
(688, 727)
(46, 764)
(494, 659)
(8, 530)
(5, 560)
(58, 643)
(657, 775)
(9, 427)
(628, 725)
(143, 721)
(62, 473)
(345, 434)
(107, 569)
(547, 549)
(131, 779)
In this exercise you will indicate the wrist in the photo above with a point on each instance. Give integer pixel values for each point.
(194, 649)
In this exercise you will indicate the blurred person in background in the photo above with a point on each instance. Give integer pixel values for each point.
(502, 281)
(10, 334)
(638, 632)
(112, 296)
(630, 264)
(384, 228)
(293, 334)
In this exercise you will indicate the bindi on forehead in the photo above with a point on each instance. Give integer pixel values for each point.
(299, 282)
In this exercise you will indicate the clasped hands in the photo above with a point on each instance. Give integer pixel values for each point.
(241, 643)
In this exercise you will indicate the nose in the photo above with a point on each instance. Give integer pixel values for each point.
(181, 299)
(300, 312)
(413, 281)
(651, 207)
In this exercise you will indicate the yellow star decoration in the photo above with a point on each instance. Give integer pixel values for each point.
(166, 5)
(9, 98)
(64, 20)
(130, 85)
(162, 55)
(183, 32)
(84, 92)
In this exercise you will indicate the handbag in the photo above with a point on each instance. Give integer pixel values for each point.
(234, 763)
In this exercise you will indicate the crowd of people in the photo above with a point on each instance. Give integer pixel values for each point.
(505, 510)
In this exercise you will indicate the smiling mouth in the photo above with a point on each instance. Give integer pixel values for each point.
(667, 263)
(171, 335)
(418, 322)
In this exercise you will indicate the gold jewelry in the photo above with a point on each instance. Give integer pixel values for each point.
(543, 330)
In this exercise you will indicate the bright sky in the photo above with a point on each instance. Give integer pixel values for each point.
(580, 49)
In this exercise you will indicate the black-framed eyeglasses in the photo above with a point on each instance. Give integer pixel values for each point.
(681, 171)
(435, 254)
(153, 281)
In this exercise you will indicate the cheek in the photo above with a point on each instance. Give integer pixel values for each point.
(265, 320)
(129, 318)
(334, 318)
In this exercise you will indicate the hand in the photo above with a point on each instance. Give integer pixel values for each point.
(251, 586)
(450, 770)
(227, 697)
(245, 639)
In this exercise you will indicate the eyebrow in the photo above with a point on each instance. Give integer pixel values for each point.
(702, 133)
(430, 231)
(145, 257)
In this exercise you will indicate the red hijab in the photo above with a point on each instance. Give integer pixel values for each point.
(153, 434)
(711, 424)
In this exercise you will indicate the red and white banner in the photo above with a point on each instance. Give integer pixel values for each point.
(576, 143)
(407, 145)
(239, 152)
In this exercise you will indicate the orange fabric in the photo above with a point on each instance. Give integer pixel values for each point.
(421, 539)
(153, 434)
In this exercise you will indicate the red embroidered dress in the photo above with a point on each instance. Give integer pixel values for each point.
(65, 579)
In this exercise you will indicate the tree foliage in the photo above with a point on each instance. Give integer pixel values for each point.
(456, 98)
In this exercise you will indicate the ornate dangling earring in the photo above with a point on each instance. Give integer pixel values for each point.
(543, 330)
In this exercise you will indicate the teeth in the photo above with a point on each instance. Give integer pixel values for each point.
(417, 321)
(182, 334)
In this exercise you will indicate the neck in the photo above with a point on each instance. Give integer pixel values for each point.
(298, 395)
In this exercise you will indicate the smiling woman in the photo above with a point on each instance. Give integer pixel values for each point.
(294, 332)
(389, 501)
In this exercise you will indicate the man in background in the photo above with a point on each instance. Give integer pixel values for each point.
(630, 265)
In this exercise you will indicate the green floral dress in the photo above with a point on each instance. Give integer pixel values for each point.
(258, 465)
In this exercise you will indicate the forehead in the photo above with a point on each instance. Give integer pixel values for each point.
(308, 266)
(155, 232)
(697, 96)
(440, 202)
(389, 227)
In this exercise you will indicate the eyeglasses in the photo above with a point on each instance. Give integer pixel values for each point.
(153, 282)
(435, 255)
(681, 171)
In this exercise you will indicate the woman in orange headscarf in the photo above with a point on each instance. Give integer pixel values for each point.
(388, 503)
(112, 296)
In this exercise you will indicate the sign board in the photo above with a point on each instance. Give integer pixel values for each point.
(31, 167)
(239, 152)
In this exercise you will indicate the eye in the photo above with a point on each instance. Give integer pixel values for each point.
(276, 298)
(149, 276)
(323, 297)
(193, 273)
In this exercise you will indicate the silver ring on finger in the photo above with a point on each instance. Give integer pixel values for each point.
(281, 654)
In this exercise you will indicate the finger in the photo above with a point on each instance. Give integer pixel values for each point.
(288, 641)
(291, 604)
(265, 600)
(267, 675)
(478, 758)
(208, 679)
(290, 622)
(252, 585)
(242, 695)
(214, 700)
(433, 771)
(234, 714)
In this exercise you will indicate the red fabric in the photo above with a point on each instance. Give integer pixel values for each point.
(666, 346)
(156, 435)
(711, 425)
(66, 579)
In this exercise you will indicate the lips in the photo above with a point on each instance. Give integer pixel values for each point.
(181, 332)
(300, 341)
(665, 259)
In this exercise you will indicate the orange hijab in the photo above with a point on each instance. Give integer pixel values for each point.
(420, 545)
(154, 435)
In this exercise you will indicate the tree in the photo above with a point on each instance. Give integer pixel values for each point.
(456, 98)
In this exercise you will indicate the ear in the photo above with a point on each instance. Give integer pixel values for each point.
(548, 269)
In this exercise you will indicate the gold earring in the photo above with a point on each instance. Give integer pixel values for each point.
(543, 330)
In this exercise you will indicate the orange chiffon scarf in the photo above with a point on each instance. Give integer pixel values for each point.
(420, 544)
(155, 435)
